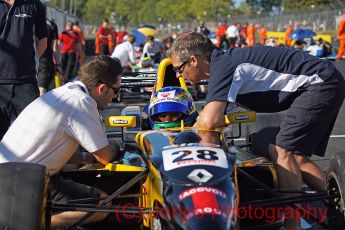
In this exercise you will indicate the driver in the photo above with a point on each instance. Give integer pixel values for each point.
(169, 106)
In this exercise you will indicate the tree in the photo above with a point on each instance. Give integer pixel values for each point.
(263, 6)
(306, 4)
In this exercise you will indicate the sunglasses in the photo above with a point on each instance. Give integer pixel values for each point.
(180, 69)
(115, 90)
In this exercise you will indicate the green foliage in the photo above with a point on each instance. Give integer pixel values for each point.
(147, 11)
(306, 4)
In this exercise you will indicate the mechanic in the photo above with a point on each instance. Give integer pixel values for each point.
(267, 79)
(51, 128)
(169, 106)
(125, 52)
(47, 67)
(153, 49)
(23, 38)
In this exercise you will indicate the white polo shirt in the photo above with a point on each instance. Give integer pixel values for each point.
(50, 129)
(125, 53)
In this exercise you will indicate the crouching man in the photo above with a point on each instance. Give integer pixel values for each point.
(51, 128)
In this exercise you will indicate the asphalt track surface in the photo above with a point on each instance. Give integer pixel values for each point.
(336, 142)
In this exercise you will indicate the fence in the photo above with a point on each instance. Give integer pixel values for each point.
(60, 17)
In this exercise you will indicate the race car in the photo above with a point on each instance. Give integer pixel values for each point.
(141, 84)
(176, 178)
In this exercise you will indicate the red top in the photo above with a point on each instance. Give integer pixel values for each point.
(105, 31)
(69, 40)
(120, 36)
(221, 29)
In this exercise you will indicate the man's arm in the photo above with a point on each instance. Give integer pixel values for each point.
(106, 154)
(41, 46)
(212, 115)
(56, 50)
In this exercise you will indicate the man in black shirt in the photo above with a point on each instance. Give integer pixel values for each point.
(269, 79)
(46, 67)
(23, 38)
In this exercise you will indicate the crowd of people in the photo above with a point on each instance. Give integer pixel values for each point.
(51, 128)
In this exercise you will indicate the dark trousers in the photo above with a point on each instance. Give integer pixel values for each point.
(68, 61)
(222, 41)
(104, 49)
(13, 99)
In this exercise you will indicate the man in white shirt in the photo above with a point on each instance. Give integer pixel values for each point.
(153, 49)
(52, 127)
(125, 52)
(232, 34)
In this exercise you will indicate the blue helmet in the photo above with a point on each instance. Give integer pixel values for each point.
(172, 100)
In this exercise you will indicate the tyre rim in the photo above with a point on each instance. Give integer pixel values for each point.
(335, 206)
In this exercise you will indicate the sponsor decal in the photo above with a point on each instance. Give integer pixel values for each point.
(23, 15)
(204, 189)
(186, 156)
(120, 121)
(164, 95)
(242, 117)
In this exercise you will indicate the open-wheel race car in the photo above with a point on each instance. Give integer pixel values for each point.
(142, 83)
(176, 178)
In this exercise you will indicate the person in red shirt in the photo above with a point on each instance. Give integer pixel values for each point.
(80, 56)
(120, 35)
(341, 36)
(288, 31)
(71, 45)
(220, 33)
(251, 35)
(104, 34)
(263, 35)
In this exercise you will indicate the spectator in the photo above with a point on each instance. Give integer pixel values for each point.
(263, 35)
(244, 34)
(70, 118)
(125, 52)
(153, 49)
(120, 35)
(46, 69)
(112, 40)
(22, 26)
(341, 37)
(167, 44)
(251, 34)
(221, 35)
(71, 45)
(103, 39)
(267, 79)
(288, 31)
(202, 29)
(232, 34)
(80, 57)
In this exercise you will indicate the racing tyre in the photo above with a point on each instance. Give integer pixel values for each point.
(24, 189)
(336, 191)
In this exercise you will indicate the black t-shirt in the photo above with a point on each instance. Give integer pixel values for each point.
(52, 35)
(264, 79)
(20, 26)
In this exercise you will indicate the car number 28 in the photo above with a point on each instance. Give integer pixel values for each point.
(186, 156)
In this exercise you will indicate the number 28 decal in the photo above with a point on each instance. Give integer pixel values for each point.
(185, 156)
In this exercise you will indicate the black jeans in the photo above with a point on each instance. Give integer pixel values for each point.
(68, 61)
(13, 99)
